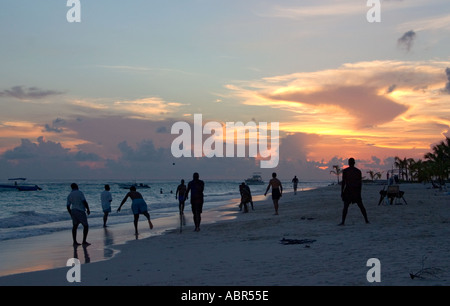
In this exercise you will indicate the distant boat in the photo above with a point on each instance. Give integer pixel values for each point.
(18, 185)
(137, 185)
(256, 179)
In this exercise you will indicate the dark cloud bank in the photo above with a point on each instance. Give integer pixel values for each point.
(30, 93)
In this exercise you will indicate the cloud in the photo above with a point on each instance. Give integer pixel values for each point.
(391, 88)
(316, 11)
(144, 108)
(362, 103)
(30, 93)
(407, 40)
(46, 150)
(54, 127)
(145, 151)
(447, 85)
(49, 159)
(433, 23)
(357, 104)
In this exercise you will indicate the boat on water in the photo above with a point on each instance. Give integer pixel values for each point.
(137, 185)
(17, 184)
(256, 179)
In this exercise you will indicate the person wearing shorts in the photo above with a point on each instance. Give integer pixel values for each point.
(196, 188)
(277, 191)
(77, 206)
(351, 186)
(106, 199)
(138, 206)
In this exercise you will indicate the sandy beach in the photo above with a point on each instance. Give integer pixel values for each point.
(247, 250)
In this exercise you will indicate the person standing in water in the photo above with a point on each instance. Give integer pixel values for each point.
(277, 191)
(106, 199)
(77, 206)
(138, 206)
(180, 195)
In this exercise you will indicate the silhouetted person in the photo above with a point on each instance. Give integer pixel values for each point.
(295, 182)
(196, 187)
(246, 197)
(351, 189)
(277, 191)
(180, 194)
(138, 206)
(106, 199)
(77, 206)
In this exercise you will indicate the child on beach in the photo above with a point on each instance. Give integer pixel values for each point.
(138, 206)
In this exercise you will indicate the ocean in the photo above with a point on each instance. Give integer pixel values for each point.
(33, 213)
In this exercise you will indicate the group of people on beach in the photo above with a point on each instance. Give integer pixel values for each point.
(350, 190)
(246, 195)
(78, 207)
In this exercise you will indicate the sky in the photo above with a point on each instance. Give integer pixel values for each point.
(97, 99)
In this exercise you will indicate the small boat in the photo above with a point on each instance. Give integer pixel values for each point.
(137, 185)
(18, 185)
(256, 179)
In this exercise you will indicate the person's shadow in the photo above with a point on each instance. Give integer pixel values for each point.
(108, 240)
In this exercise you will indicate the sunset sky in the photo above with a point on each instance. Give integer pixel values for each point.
(98, 98)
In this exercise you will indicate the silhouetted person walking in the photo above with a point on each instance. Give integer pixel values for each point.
(351, 189)
(77, 206)
(277, 191)
(196, 187)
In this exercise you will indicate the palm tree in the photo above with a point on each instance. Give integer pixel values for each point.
(400, 164)
(439, 160)
(409, 163)
(374, 175)
(337, 171)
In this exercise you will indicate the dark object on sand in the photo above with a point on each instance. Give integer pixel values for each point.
(426, 272)
(393, 192)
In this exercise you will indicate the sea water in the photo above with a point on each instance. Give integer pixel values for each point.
(33, 213)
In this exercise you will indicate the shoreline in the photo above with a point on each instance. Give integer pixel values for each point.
(247, 250)
(50, 251)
